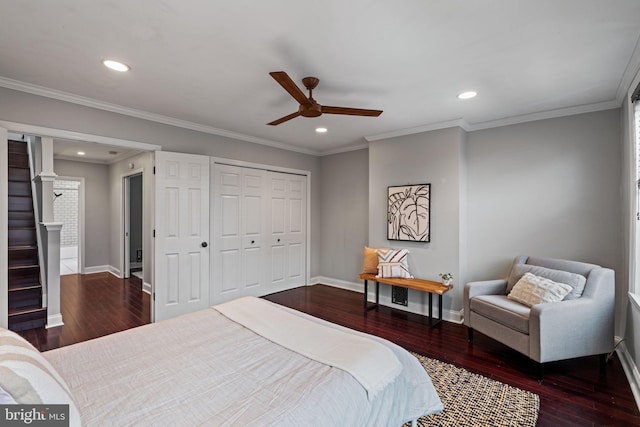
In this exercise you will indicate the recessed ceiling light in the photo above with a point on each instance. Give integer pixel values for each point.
(115, 65)
(467, 95)
(321, 130)
(81, 153)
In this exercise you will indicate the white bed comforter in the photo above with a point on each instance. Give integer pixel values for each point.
(204, 369)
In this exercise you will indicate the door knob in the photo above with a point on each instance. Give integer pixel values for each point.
(278, 240)
(204, 244)
(253, 241)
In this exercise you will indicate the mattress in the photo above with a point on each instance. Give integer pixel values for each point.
(205, 369)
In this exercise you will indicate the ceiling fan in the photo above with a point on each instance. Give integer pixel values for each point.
(308, 106)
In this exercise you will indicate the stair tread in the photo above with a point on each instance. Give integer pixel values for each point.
(26, 310)
(25, 287)
(22, 247)
(23, 266)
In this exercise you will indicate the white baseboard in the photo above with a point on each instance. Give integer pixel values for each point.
(96, 269)
(54, 320)
(146, 287)
(448, 315)
(630, 369)
(115, 271)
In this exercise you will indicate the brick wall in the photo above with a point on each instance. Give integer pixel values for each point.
(65, 210)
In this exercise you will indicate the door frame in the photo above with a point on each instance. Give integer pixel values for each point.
(81, 217)
(271, 168)
(5, 127)
(125, 234)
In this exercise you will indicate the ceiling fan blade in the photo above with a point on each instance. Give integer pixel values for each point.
(288, 85)
(284, 119)
(350, 111)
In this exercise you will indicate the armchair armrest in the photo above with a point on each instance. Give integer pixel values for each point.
(486, 287)
(573, 328)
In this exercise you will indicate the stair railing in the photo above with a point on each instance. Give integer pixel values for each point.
(35, 192)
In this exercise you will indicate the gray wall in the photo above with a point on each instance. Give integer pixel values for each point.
(428, 158)
(344, 217)
(548, 188)
(22, 107)
(97, 206)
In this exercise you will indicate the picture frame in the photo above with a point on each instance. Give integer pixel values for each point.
(409, 213)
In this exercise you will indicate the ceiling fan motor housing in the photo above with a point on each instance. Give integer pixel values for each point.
(313, 110)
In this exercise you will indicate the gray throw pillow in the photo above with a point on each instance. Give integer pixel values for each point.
(576, 281)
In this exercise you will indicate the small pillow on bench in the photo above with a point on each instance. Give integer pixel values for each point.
(370, 262)
(531, 290)
(393, 269)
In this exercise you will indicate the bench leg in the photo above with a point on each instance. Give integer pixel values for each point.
(366, 293)
(368, 306)
(431, 322)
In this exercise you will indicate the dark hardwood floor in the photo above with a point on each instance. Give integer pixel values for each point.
(573, 392)
(94, 305)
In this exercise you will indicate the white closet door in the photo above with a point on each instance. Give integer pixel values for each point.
(253, 221)
(288, 219)
(259, 232)
(297, 230)
(227, 237)
(277, 232)
(238, 257)
(182, 234)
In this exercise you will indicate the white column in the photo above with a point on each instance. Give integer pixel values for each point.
(4, 225)
(46, 178)
(50, 233)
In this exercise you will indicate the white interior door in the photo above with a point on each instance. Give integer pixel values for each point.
(288, 231)
(226, 236)
(181, 234)
(296, 230)
(253, 222)
(238, 256)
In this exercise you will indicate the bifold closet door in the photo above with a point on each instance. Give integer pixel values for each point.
(259, 232)
(288, 231)
(239, 262)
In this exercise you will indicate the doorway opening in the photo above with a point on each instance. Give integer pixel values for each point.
(67, 193)
(133, 200)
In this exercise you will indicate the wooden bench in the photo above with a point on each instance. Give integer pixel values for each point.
(418, 284)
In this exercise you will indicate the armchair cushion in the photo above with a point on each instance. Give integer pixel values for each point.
(502, 310)
(574, 280)
(531, 290)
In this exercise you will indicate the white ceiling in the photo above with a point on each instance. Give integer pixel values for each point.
(204, 64)
(65, 149)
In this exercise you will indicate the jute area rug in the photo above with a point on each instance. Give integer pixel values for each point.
(474, 400)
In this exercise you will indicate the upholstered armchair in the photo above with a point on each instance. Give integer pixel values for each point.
(581, 324)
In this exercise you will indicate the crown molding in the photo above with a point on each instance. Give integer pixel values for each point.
(542, 115)
(470, 127)
(461, 123)
(344, 149)
(626, 80)
(630, 72)
(132, 112)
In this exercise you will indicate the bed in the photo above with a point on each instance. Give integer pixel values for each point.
(232, 364)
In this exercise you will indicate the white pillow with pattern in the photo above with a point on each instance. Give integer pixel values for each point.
(531, 290)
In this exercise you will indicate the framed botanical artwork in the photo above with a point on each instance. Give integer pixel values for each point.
(408, 213)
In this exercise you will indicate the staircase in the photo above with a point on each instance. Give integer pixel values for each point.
(25, 289)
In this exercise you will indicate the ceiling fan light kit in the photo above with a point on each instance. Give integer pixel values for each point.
(309, 107)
